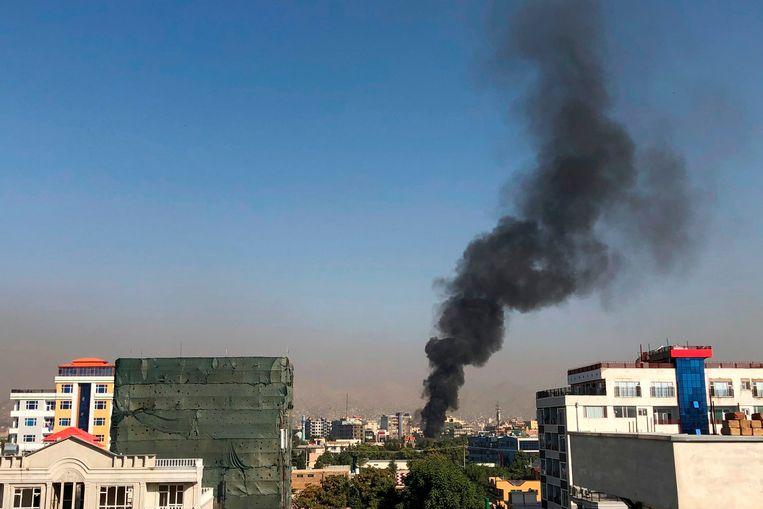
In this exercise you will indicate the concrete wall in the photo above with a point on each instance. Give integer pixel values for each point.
(641, 470)
(673, 471)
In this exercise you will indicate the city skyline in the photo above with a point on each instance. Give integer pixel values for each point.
(301, 198)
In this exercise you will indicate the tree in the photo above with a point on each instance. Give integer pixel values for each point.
(522, 466)
(370, 489)
(435, 482)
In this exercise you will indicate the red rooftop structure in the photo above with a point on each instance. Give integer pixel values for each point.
(72, 432)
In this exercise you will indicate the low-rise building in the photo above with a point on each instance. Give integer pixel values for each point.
(511, 494)
(499, 450)
(32, 416)
(301, 479)
(72, 473)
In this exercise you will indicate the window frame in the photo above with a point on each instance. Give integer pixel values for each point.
(32, 439)
(65, 404)
(101, 389)
(603, 408)
(634, 384)
(67, 388)
(99, 421)
(67, 423)
(30, 421)
(113, 503)
(100, 404)
(625, 411)
(31, 404)
(18, 497)
(174, 494)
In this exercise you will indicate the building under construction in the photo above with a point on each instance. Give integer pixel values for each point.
(231, 411)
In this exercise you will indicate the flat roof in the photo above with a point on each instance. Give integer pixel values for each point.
(678, 437)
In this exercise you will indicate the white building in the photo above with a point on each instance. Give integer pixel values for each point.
(73, 474)
(32, 419)
(670, 390)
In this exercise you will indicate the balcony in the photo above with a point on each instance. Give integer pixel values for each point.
(574, 390)
(175, 463)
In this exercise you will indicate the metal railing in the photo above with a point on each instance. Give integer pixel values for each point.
(573, 390)
(33, 391)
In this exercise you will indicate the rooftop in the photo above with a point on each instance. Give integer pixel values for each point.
(669, 438)
(87, 362)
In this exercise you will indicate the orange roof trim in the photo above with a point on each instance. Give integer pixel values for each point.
(88, 362)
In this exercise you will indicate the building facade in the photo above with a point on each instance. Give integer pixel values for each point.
(398, 425)
(499, 450)
(84, 397)
(32, 418)
(347, 429)
(670, 390)
(73, 474)
(318, 427)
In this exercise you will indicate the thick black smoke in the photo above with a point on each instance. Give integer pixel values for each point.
(586, 203)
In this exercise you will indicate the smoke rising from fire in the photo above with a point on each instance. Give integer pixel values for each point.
(587, 206)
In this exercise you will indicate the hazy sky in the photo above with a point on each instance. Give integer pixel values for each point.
(263, 178)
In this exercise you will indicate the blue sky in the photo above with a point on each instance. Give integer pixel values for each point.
(267, 177)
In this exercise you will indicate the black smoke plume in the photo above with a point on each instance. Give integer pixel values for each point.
(585, 208)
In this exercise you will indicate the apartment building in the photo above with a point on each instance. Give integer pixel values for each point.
(75, 474)
(670, 390)
(398, 425)
(32, 416)
(84, 397)
(319, 427)
(347, 429)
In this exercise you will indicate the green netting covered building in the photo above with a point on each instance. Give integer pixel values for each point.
(233, 412)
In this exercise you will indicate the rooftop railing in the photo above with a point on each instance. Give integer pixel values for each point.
(170, 463)
(33, 391)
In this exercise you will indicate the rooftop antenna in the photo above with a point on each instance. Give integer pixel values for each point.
(347, 406)
(181, 348)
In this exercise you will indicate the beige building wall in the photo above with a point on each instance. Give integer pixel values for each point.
(78, 463)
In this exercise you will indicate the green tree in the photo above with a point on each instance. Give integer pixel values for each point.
(522, 466)
(436, 482)
(332, 493)
(370, 489)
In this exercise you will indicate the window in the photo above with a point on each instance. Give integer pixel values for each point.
(665, 415)
(99, 421)
(101, 388)
(721, 411)
(65, 405)
(595, 412)
(662, 390)
(48, 423)
(31, 405)
(100, 405)
(115, 497)
(100, 438)
(50, 406)
(721, 389)
(28, 439)
(745, 385)
(65, 422)
(622, 412)
(30, 421)
(67, 388)
(26, 498)
(627, 389)
(170, 496)
(757, 388)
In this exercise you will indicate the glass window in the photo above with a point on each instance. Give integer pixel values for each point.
(666, 415)
(627, 389)
(28, 439)
(115, 497)
(100, 388)
(100, 405)
(721, 388)
(171, 496)
(662, 390)
(26, 498)
(757, 388)
(50, 406)
(99, 421)
(100, 438)
(595, 412)
(65, 405)
(30, 421)
(31, 405)
(622, 412)
(67, 388)
(48, 423)
(65, 422)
